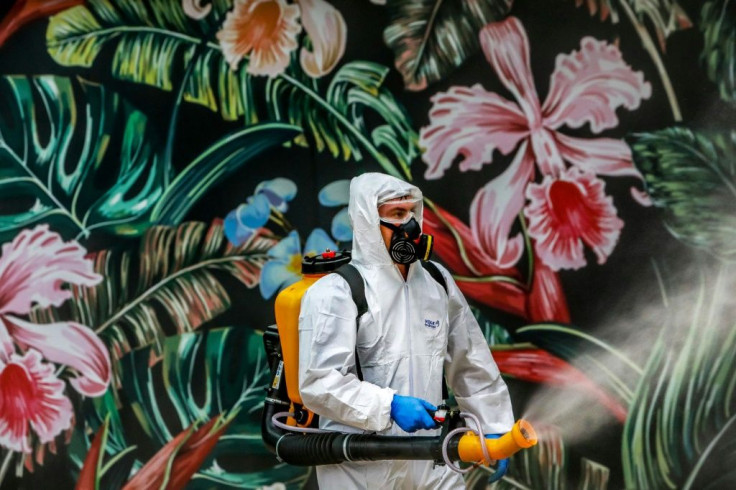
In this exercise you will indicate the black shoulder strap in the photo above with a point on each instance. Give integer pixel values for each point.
(357, 290)
(357, 286)
(431, 267)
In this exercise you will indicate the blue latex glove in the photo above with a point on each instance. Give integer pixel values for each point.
(411, 414)
(503, 464)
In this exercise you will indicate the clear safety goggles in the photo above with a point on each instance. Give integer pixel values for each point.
(397, 211)
(398, 220)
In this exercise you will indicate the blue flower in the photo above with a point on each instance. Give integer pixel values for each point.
(335, 194)
(243, 221)
(284, 267)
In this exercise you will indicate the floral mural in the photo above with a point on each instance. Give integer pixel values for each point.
(165, 165)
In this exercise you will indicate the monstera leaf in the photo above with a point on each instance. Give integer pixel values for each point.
(198, 376)
(682, 423)
(667, 16)
(83, 159)
(718, 24)
(174, 283)
(79, 156)
(152, 43)
(692, 176)
(430, 38)
(336, 122)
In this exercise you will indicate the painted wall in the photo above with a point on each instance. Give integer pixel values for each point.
(164, 164)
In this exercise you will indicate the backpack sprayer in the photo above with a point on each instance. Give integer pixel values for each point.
(299, 442)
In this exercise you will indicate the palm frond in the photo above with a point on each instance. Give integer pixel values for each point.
(338, 120)
(172, 284)
(718, 25)
(152, 43)
(430, 38)
(691, 175)
(680, 429)
(666, 16)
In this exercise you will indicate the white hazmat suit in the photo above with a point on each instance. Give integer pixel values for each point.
(412, 330)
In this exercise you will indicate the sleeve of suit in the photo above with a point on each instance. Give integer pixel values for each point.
(327, 381)
(470, 369)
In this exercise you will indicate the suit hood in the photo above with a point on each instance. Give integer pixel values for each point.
(366, 191)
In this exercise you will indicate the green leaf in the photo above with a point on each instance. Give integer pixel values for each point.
(174, 283)
(430, 38)
(150, 50)
(217, 162)
(718, 24)
(666, 16)
(151, 41)
(692, 176)
(680, 429)
(197, 376)
(75, 155)
(494, 333)
(337, 121)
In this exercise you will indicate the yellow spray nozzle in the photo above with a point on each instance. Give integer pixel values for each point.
(521, 436)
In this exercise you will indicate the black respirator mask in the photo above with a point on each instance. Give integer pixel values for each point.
(408, 243)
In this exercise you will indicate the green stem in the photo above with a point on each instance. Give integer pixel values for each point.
(499, 278)
(6, 464)
(169, 150)
(456, 235)
(651, 48)
(529, 251)
(120, 30)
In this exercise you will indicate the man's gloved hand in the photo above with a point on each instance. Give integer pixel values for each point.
(503, 464)
(411, 414)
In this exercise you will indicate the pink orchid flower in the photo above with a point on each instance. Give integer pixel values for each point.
(267, 30)
(586, 87)
(33, 267)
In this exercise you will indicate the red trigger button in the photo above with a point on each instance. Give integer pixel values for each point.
(328, 255)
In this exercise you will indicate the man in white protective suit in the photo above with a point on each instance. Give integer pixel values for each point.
(413, 330)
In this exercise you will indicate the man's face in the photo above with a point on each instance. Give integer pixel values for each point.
(396, 212)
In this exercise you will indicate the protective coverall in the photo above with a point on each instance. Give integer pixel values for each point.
(412, 330)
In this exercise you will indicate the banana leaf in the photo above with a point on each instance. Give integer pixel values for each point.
(337, 121)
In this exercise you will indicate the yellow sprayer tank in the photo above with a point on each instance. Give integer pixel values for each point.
(287, 306)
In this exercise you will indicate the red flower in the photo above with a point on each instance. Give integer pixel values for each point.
(586, 88)
(564, 213)
(479, 278)
(33, 269)
(30, 394)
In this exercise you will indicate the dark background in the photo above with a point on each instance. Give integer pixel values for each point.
(596, 294)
